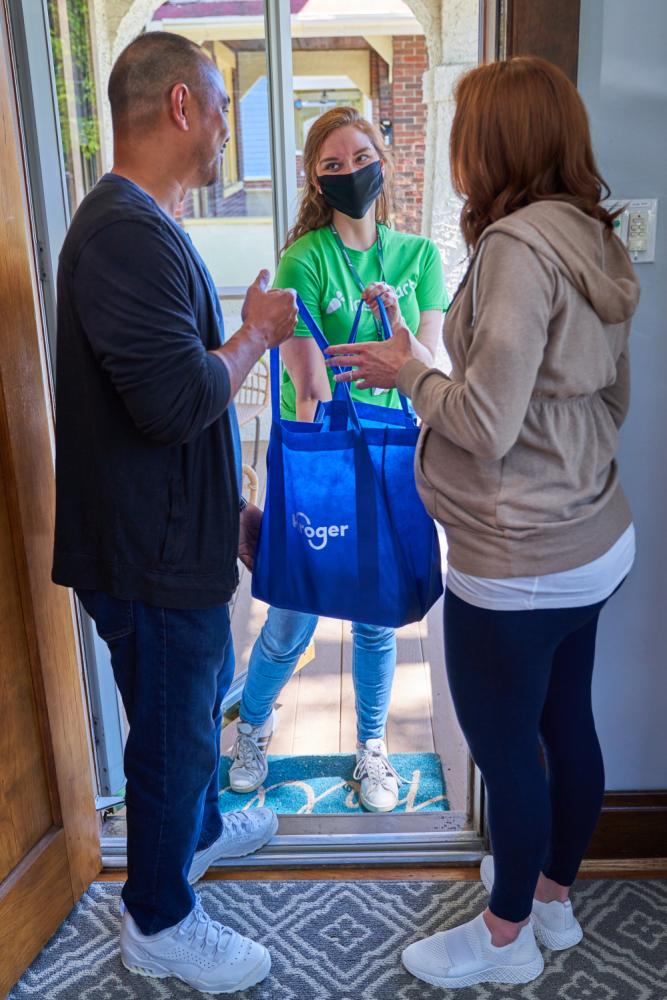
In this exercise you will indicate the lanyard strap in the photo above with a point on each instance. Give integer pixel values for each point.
(348, 260)
(355, 274)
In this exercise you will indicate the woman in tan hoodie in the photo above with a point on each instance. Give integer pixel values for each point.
(516, 460)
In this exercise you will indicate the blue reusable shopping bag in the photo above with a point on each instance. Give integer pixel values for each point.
(344, 532)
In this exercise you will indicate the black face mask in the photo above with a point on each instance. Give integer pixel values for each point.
(353, 194)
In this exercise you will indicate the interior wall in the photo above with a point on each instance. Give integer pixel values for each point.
(623, 80)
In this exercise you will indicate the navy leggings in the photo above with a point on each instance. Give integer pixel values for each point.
(518, 679)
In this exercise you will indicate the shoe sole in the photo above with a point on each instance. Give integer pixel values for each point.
(156, 971)
(232, 852)
(557, 940)
(554, 940)
(513, 974)
(376, 809)
(250, 788)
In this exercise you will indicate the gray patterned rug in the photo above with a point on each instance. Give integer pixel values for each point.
(342, 941)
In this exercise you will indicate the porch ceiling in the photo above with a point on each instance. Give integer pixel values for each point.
(333, 18)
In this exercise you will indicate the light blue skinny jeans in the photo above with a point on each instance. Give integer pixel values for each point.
(284, 637)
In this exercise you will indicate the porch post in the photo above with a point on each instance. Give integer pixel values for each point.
(457, 52)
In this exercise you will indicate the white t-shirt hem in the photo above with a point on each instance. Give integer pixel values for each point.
(574, 588)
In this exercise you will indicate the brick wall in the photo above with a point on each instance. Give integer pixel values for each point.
(409, 138)
(380, 88)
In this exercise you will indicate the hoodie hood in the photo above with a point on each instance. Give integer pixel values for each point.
(596, 264)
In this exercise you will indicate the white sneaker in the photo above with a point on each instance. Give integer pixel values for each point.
(199, 951)
(464, 956)
(249, 764)
(379, 780)
(243, 832)
(554, 923)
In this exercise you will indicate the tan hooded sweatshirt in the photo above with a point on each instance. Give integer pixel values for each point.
(516, 458)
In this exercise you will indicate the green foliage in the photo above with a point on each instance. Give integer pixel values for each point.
(61, 93)
(80, 54)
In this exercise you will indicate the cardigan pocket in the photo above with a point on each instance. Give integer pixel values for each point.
(174, 543)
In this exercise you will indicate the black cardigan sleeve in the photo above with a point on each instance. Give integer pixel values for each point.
(134, 302)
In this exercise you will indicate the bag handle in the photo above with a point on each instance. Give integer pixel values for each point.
(322, 343)
(386, 331)
(319, 337)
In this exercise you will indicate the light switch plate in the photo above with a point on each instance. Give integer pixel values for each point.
(636, 226)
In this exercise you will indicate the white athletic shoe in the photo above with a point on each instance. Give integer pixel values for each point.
(464, 956)
(243, 832)
(554, 923)
(199, 951)
(379, 780)
(249, 765)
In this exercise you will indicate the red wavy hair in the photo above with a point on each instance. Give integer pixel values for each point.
(520, 134)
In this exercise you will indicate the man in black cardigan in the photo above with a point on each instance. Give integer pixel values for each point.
(149, 517)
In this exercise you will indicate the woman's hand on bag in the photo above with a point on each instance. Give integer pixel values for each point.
(380, 289)
(251, 519)
(376, 364)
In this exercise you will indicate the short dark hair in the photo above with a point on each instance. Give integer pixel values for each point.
(147, 69)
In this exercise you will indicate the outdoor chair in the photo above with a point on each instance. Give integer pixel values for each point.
(253, 399)
(250, 484)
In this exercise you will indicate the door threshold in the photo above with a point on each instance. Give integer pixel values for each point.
(313, 850)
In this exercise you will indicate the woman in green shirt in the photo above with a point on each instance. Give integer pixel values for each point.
(341, 250)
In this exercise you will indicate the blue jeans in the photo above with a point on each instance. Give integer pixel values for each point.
(173, 669)
(285, 636)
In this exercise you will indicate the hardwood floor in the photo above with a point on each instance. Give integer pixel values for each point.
(614, 869)
(316, 708)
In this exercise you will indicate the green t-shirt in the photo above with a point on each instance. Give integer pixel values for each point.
(315, 266)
